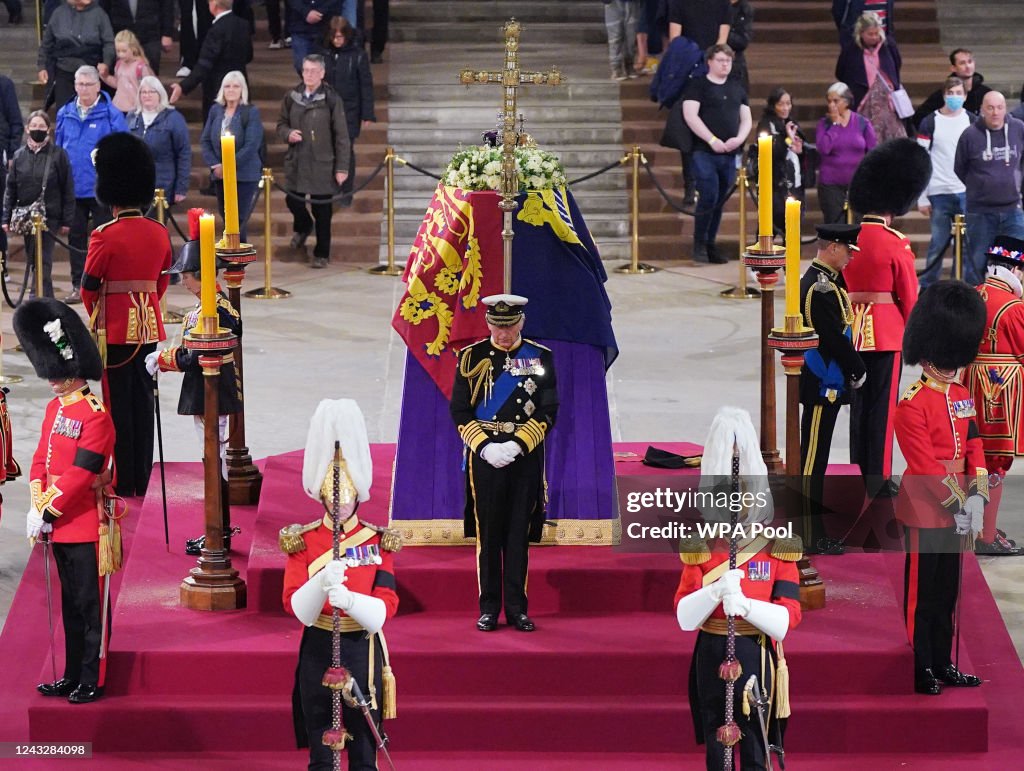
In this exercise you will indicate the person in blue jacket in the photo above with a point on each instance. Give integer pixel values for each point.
(164, 129)
(231, 113)
(81, 124)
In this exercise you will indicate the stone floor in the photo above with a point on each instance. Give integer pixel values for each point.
(684, 352)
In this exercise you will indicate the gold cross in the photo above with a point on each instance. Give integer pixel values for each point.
(511, 78)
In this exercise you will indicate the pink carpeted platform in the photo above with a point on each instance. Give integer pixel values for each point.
(602, 683)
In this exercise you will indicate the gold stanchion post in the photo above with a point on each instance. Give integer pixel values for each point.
(389, 268)
(958, 230)
(160, 204)
(635, 266)
(38, 226)
(741, 291)
(268, 291)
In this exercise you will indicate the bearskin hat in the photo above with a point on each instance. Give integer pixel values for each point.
(56, 341)
(945, 326)
(890, 178)
(125, 174)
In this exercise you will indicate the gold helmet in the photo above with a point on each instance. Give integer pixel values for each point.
(338, 421)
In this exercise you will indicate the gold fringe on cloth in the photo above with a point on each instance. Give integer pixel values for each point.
(566, 532)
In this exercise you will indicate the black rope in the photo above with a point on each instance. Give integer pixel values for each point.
(678, 206)
(424, 172)
(304, 197)
(170, 218)
(67, 246)
(30, 269)
(593, 174)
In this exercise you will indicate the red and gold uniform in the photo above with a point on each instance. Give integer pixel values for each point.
(936, 430)
(770, 575)
(309, 549)
(882, 284)
(75, 446)
(121, 290)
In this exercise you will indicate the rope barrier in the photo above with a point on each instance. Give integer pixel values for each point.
(599, 172)
(414, 167)
(678, 206)
(304, 197)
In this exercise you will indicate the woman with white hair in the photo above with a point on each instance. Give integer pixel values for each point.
(164, 129)
(843, 138)
(231, 113)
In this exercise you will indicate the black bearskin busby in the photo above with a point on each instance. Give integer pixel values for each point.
(56, 341)
(945, 326)
(890, 178)
(125, 174)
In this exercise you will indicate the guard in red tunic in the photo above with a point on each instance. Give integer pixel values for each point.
(996, 380)
(123, 282)
(69, 466)
(762, 593)
(882, 284)
(942, 498)
(361, 584)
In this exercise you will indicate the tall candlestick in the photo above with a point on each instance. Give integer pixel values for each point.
(764, 185)
(207, 268)
(227, 158)
(792, 257)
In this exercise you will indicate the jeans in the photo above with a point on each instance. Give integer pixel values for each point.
(982, 228)
(714, 174)
(620, 19)
(304, 44)
(944, 207)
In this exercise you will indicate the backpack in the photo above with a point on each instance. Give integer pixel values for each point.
(245, 128)
(682, 60)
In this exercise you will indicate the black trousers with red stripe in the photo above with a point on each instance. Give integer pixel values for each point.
(817, 424)
(80, 601)
(931, 582)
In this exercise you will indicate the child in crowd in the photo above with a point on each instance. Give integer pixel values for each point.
(131, 67)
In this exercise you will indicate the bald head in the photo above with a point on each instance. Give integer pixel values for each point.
(993, 110)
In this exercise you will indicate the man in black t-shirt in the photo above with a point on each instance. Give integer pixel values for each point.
(718, 115)
(705, 22)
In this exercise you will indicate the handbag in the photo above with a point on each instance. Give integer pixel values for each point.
(901, 103)
(21, 216)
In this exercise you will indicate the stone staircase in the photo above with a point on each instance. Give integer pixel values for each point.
(991, 29)
(430, 115)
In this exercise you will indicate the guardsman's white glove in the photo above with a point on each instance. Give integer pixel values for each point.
(34, 524)
(736, 604)
(495, 455)
(694, 609)
(975, 506)
(332, 575)
(153, 363)
(963, 522)
(511, 449)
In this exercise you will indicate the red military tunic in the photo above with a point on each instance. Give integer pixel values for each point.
(75, 445)
(125, 278)
(882, 284)
(374, 580)
(996, 378)
(936, 430)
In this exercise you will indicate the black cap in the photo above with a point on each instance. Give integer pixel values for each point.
(504, 310)
(840, 234)
(1007, 250)
(56, 340)
(188, 261)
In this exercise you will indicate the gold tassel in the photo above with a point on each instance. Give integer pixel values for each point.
(390, 703)
(115, 547)
(782, 709)
(746, 703)
(106, 555)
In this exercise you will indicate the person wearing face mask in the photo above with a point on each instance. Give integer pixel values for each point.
(989, 161)
(945, 195)
(41, 169)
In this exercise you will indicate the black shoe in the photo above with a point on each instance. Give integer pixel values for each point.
(887, 488)
(194, 546)
(689, 198)
(487, 622)
(521, 621)
(60, 687)
(700, 251)
(318, 262)
(926, 683)
(83, 694)
(1002, 534)
(951, 676)
(376, 59)
(299, 239)
(714, 255)
(1000, 547)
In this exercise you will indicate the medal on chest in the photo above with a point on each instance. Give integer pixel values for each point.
(759, 570)
(963, 408)
(69, 427)
(360, 556)
(519, 367)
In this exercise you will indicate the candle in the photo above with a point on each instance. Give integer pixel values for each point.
(207, 269)
(792, 257)
(227, 158)
(764, 185)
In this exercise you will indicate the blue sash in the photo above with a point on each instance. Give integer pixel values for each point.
(829, 374)
(505, 385)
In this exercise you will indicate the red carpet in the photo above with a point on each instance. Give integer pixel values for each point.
(601, 684)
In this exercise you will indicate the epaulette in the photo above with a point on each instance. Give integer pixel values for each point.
(290, 538)
(788, 549)
(95, 402)
(693, 551)
(104, 226)
(390, 540)
(534, 342)
(916, 386)
(897, 233)
(225, 303)
(824, 284)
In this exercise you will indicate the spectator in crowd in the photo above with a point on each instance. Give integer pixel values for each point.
(313, 124)
(151, 21)
(741, 32)
(13, 11)
(10, 135)
(232, 114)
(307, 25)
(988, 161)
(974, 86)
(78, 33)
(164, 129)
(379, 34)
(26, 183)
(620, 19)
(846, 13)
(277, 39)
(945, 195)
(195, 18)
(81, 124)
(650, 34)
(227, 47)
(705, 22)
(843, 138)
(787, 147)
(870, 66)
(130, 69)
(716, 111)
(348, 73)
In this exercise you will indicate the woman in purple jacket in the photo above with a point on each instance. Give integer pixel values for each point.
(843, 137)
